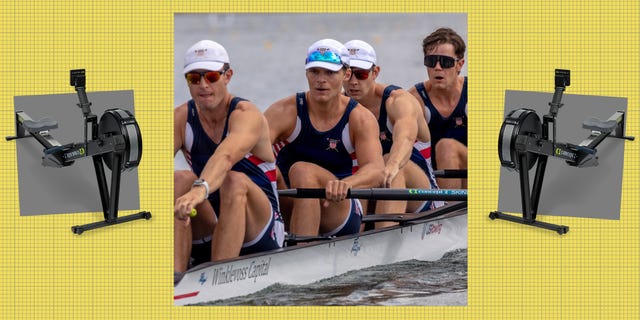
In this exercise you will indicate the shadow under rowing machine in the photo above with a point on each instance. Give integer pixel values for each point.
(524, 140)
(115, 140)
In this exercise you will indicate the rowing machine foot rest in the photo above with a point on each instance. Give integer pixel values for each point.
(43, 124)
(534, 223)
(86, 227)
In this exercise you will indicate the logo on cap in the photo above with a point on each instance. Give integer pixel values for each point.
(200, 52)
(353, 51)
(323, 50)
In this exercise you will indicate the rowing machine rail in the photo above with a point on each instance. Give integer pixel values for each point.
(115, 141)
(524, 143)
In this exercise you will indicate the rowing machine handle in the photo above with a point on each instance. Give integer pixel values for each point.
(78, 80)
(562, 80)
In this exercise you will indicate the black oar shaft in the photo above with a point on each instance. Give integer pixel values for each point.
(409, 217)
(450, 174)
(383, 194)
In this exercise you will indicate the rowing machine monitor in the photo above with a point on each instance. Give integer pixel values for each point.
(524, 143)
(115, 142)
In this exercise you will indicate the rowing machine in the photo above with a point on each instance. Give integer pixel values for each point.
(115, 140)
(524, 140)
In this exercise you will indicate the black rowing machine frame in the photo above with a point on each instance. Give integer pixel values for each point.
(524, 140)
(115, 140)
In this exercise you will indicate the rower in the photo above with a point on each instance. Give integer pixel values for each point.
(524, 140)
(115, 140)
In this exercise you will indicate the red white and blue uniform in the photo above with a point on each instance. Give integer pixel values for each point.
(453, 126)
(332, 150)
(420, 155)
(199, 148)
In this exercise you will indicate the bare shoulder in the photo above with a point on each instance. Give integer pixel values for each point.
(281, 117)
(283, 106)
(283, 111)
(400, 94)
(247, 106)
(414, 92)
(403, 102)
(246, 115)
(180, 114)
(361, 116)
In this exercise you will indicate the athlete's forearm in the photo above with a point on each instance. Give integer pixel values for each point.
(401, 149)
(367, 176)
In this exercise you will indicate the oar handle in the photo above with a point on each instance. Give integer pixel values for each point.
(383, 194)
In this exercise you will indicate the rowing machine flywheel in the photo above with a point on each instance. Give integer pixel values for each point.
(519, 122)
(121, 122)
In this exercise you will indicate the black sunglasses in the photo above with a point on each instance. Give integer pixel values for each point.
(446, 62)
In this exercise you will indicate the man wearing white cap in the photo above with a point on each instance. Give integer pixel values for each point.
(403, 131)
(324, 139)
(444, 98)
(226, 142)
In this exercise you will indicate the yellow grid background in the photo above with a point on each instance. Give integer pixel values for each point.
(124, 272)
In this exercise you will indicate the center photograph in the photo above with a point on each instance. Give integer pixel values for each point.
(320, 159)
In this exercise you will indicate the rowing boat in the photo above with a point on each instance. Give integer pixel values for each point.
(425, 236)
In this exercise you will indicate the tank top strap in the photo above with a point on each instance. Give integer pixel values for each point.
(462, 104)
(382, 119)
(422, 91)
(192, 113)
(232, 106)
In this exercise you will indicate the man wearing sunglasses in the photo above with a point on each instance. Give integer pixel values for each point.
(403, 131)
(324, 139)
(444, 98)
(226, 142)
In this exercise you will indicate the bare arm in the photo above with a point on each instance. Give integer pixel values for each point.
(245, 128)
(281, 117)
(179, 124)
(246, 125)
(404, 113)
(364, 130)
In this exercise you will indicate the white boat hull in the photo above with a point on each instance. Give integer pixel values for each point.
(305, 264)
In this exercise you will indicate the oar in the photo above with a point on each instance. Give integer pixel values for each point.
(383, 194)
(401, 218)
(451, 174)
(292, 239)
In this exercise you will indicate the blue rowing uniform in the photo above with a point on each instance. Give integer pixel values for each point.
(420, 155)
(332, 150)
(199, 148)
(454, 126)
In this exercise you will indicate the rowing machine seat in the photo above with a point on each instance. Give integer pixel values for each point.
(595, 124)
(43, 124)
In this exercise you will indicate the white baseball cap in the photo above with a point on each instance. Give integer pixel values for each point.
(207, 55)
(361, 54)
(328, 54)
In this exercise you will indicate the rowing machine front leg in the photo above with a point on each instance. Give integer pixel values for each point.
(560, 229)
